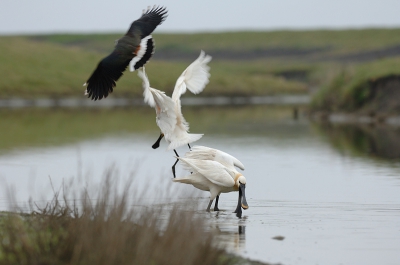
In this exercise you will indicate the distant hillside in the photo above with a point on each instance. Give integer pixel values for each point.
(319, 45)
(244, 63)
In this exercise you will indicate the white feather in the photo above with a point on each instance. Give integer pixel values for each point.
(195, 77)
(140, 53)
(212, 170)
(164, 106)
(210, 176)
(207, 153)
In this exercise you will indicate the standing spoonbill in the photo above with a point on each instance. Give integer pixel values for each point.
(134, 49)
(212, 176)
(169, 118)
(207, 153)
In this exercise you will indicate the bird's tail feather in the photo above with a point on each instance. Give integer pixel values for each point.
(189, 139)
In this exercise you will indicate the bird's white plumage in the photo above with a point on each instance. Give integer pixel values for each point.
(207, 153)
(164, 106)
(210, 176)
(197, 180)
(212, 170)
(195, 77)
(140, 53)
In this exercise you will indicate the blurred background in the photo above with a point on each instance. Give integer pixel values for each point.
(305, 93)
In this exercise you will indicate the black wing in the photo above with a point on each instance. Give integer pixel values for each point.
(102, 81)
(147, 55)
(111, 68)
(148, 22)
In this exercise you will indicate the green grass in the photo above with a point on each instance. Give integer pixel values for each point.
(57, 65)
(34, 69)
(340, 40)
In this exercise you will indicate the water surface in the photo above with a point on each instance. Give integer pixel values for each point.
(328, 205)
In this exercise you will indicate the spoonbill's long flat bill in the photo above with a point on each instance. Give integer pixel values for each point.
(134, 49)
(213, 176)
(207, 153)
(169, 118)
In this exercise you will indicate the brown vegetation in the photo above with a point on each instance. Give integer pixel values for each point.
(107, 230)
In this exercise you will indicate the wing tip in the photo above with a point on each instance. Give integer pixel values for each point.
(157, 10)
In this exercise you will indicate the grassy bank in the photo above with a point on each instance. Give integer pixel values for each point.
(43, 69)
(244, 63)
(350, 88)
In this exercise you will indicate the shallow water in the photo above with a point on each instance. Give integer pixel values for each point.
(329, 206)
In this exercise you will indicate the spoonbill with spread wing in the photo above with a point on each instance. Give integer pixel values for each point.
(169, 118)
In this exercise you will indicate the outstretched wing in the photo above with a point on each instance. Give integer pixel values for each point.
(143, 27)
(108, 71)
(147, 23)
(134, 45)
(195, 77)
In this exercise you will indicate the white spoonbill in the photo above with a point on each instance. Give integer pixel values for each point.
(212, 176)
(207, 153)
(169, 119)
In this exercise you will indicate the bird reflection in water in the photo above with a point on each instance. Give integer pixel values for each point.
(230, 233)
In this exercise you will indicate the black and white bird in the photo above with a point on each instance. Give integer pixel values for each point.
(134, 49)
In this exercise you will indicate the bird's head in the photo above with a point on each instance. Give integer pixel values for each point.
(240, 184)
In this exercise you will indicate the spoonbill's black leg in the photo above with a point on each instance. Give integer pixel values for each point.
(216, 204)
(173, 167)
(157, 143)
(209, 205)
(190, 149)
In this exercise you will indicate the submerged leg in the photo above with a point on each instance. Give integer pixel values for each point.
(173, 167)
(209, 206)
(216, 204)
(157, 143)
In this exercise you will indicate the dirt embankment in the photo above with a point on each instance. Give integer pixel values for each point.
(380, 105)
(384, 96)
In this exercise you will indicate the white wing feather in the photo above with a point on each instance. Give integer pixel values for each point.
(212, 170)
(207, 153)
(195, 179)
(195, 77)
(141, 52)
